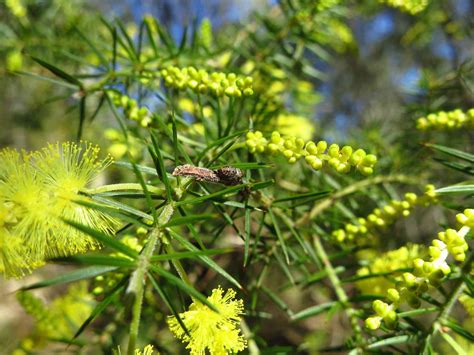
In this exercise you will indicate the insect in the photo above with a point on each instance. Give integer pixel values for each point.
(226, 175)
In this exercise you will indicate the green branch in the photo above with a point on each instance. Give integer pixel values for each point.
(339, 290)
(137, 281)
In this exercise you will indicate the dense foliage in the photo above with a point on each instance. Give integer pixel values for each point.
(263, 188)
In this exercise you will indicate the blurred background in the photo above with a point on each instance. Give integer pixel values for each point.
(386, 67)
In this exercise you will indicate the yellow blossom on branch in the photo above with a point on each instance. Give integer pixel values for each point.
(217, 332)
(37, 191)
(316, 155)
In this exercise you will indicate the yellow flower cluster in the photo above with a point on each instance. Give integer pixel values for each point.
(446, 120)
(58, 320)
(315, 154)
(388, 262)
(200, 81)
(37, 190)
(217, 332)
(411, 6)
(289, 124)
(425, 273)
(382, 217)
(131, 109)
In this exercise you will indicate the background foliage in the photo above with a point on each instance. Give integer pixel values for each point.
(349, 72)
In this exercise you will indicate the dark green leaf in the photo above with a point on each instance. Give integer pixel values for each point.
(400, 339)
(75, 275)
(160, 166)
(280, 236)
(312, 311)
(459, 329)
(100, 307)
(452, 152)
(311, 196)
(58, 72)
(456, 189)
(104, 239)
(189, 254)
(167, 300)
(188, 289)
(106, 260)
(208, 261)
(188, 219)
(97, 52)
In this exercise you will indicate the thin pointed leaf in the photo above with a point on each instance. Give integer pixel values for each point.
(151, 40)
(417, 312)
(168, 302)
(459, 330)
(114, 49)
(452, 152)
(97, 109)
(105, 260)
(247, 236)
(189, 254)
(104, 239)
(280, 236)
(188, 289)
(130, 48)
(214, 195)
(219, 142)
(164, 37)
(82, 116)
(278, 301)
(58, 72)
(221, 193)
(312, 311)
(311, 196)
(456, 189)
(72, 276)
(177, 221)
(208, 261)
(97, 52)
(184, 38)
(100, 307)
(142, 168)
(222, 151)
(123, 207)
(45, 78)
(112, 212)
(246, 166)
(400, 339)
(160, 167)
(148, 199)
(463, 168)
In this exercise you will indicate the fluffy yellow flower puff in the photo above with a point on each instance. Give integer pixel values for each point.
(37, 190)
(216, 332)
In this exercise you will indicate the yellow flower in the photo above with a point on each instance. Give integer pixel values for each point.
(387, 262)
(217, 332)
(39, 189)
(294, 125)
(147, 350)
